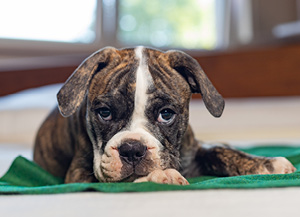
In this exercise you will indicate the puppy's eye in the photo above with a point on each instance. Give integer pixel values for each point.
(105, 114)
(166, 116)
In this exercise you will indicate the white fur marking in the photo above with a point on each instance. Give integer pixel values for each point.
(143, 81)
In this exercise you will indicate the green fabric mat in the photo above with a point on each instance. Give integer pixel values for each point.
(25, 177)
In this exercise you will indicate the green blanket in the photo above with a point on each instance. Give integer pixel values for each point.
(25, 177)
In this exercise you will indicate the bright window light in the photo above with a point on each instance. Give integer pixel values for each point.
(187, 24)
(71, 21)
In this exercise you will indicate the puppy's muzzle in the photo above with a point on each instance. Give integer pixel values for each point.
(132, 152)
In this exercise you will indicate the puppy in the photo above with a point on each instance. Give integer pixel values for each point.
(123, 117)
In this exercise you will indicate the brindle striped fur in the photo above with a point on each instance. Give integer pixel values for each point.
(77, 145)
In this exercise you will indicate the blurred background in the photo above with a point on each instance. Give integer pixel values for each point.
(248, 47)
(250, 50)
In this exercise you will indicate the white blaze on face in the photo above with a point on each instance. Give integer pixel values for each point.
(143, 81)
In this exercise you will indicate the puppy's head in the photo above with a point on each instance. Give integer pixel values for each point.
(136, 103)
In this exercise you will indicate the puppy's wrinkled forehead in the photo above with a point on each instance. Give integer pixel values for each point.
(118, 76)
(135, 73)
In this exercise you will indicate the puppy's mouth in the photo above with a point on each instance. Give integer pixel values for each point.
(133, 170)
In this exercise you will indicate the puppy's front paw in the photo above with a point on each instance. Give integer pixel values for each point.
(282, 166)
(168, 176)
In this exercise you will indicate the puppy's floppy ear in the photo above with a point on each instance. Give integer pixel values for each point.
(190, 69)
(74, 90)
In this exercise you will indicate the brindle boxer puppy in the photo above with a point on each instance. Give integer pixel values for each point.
(124, 117)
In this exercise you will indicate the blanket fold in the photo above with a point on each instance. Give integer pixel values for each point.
(25, 177)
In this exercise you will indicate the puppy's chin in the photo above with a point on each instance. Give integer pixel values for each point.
(124, 177)
(130, 178)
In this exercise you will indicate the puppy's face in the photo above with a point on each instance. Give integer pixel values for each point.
(137, 107)
(138, 113)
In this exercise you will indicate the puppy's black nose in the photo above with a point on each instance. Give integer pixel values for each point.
(132, 152)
